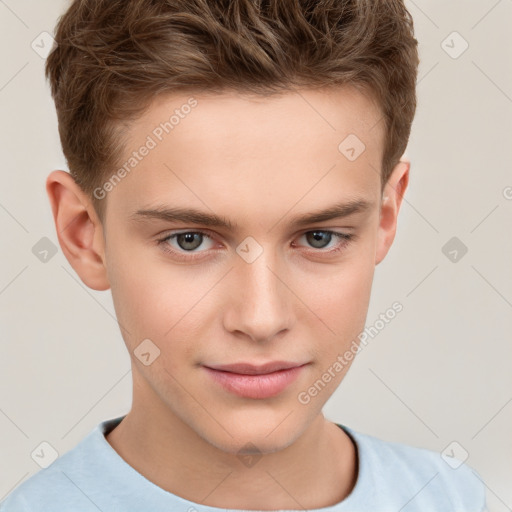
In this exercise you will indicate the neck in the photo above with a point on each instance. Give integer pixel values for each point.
(318, 470)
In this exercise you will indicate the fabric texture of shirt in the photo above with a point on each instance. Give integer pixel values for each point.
(392, 477)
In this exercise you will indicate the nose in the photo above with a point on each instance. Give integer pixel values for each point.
(260, 302)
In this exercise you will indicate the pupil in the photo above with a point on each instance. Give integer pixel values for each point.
(319, 235)
(188, 238)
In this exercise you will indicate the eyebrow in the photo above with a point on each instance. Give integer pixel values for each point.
(193, 216)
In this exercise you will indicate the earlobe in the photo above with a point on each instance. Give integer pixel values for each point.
(78, 229)
(391, 201)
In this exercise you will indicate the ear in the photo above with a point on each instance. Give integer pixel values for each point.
(79, 229)
(390, 205)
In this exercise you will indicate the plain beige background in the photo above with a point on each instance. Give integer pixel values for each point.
(437, 373)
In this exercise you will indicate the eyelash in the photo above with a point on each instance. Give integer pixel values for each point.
(345, 240)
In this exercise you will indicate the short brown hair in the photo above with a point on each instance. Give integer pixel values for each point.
(113, 57)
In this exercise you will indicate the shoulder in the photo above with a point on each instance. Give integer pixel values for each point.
(421, 478)
(69, 483)
(44, 487)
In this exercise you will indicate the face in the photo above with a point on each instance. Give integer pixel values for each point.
(255, 281)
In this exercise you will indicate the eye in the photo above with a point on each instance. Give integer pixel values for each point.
(186, 241)
(184, 244)
(320, 239)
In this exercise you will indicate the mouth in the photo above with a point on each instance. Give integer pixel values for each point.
(251, 369)
(255, 381)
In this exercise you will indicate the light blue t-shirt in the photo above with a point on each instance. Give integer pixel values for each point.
(392, 477)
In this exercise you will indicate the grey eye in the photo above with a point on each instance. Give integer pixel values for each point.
(189, 241)
(318, 239)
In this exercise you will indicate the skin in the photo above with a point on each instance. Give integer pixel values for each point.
(257, 162)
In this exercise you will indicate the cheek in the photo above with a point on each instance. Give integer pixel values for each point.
(169, 303)
(340, 301)
(132, 287)
(156, 300)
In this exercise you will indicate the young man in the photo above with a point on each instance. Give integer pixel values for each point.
(235, 178)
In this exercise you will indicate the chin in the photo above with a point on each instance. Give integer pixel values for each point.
(261, 431)
(251, 443)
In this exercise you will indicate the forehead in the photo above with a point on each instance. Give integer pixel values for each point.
(228, 121)
(236, 152)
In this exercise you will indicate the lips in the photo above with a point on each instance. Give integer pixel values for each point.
(255, 381)
(251, 369)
